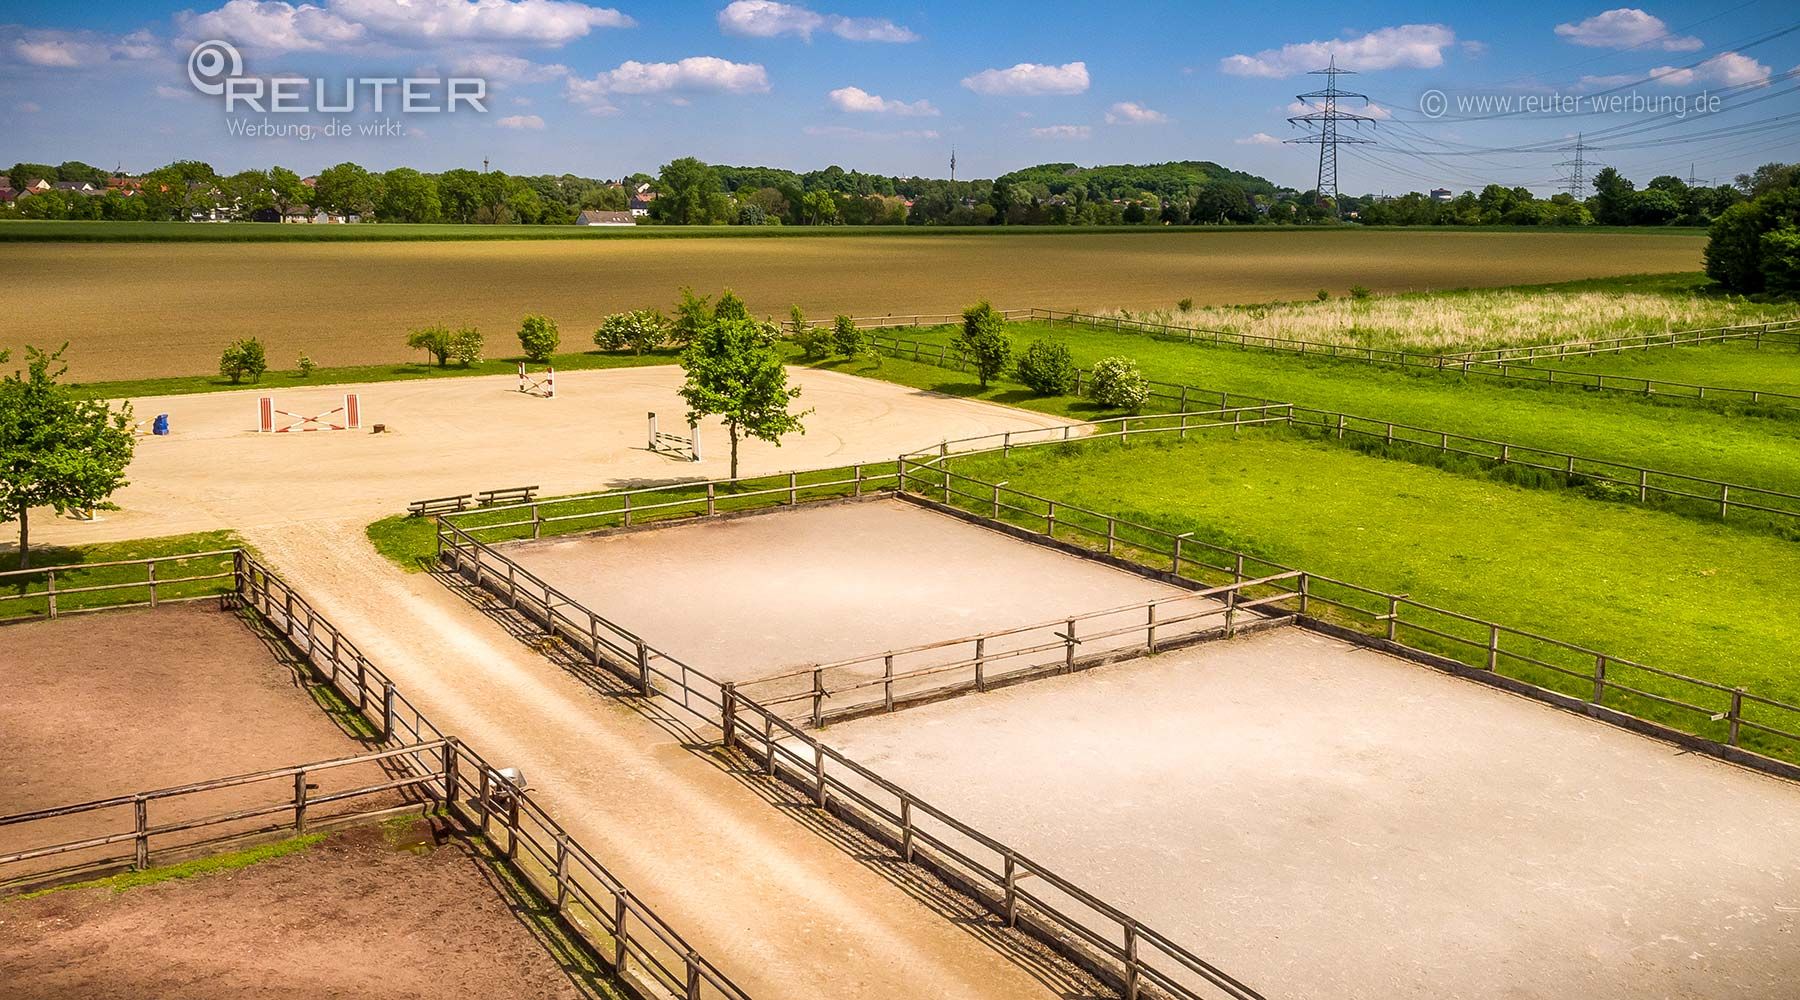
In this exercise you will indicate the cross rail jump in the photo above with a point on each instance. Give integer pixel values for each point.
(675, 445)
(350, 413)
(537, 383)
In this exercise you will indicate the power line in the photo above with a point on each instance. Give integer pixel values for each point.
(1326, 118)
(1577, 185)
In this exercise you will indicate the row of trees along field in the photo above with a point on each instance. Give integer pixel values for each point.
(689, 192)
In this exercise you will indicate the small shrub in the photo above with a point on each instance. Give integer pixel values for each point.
(433, 340)
(983, 341)
(304, 367)
(815, 342)
(538, 338)
(1360, 292)
(1322, 295)
(465, 346)
(1047, 368)
(1185, 305)
(1119, 384)
(848, 338)
(1599, 489)
(640, 330)
(241, 358)
(692, 314)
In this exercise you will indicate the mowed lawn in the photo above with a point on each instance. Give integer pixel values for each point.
(1670, 592)
(1756, 450)
(1771, 368)
(138, 310)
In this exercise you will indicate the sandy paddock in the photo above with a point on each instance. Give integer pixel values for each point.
(117, 702)
(461, 435)
(750, 597)
(1324, 821)
(352, 917)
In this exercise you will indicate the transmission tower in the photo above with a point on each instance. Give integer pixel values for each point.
(1325, 117)
(1576, 185)
(953, 164)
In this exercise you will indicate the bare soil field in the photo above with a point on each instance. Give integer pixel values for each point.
(456, 436)
(144, 310)
(116, 702)
(1328, 822)
(756, 596)
(351, 917)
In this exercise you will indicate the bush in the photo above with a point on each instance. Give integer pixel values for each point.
(433, 340)
(1047, 368)
(304, 367)
(848, 338)
(465, 346)
(816, 342)
(1119, 384)
(1321, 295)
(640, 330)
(1360, 292)
(692, 314)
(983, 341)
(538, 338)
(1185, 305)
(241, 358)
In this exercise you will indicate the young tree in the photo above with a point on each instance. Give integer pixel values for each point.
(847, 337)
(734, 371)
(692, 314)
(433, 340)
(56, 450)
(538, 338)
(243, 357)
(687, 193)
(983, 341)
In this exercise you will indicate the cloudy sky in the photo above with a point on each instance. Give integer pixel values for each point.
(890, 86)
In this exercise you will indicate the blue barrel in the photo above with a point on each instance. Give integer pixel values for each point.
(161, 425)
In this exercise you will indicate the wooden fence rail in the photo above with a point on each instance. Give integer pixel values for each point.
(1730, 722)
(46, 592)
(1421, 360)
(1784, 333)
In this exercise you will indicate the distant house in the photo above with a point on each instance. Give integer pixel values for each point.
(640, 203)
(1441, 194)
(297, 213)
(37, 185)
(592, 217)
(127, 185)
(76, 187)
(7, 194)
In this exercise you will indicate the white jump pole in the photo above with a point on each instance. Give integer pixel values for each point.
(653, 430)
(694, 439)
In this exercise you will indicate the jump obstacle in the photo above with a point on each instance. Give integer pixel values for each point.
(350, 413)
(685, 448)
(537, 383)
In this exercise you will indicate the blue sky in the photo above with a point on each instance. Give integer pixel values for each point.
(890, 87)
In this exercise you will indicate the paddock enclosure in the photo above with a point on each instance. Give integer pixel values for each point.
(128, 310)
(1331, 822)
(454, 436)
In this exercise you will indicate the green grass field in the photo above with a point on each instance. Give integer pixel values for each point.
(1772, 368)
(24, 596)
(1758, 448)
(1671, 592)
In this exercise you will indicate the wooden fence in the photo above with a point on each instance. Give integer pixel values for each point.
(1784, 333)
(1729, 722)
(54, 591)
(637, 944)
(1139, 956)
(1420, 360)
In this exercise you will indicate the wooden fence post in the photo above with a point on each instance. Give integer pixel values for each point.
(906, 830)
(1012, 891)
(1050, 520)
(150, 579)
(1493, 649)
(1393, 617)
(712, 500)
(1736, 714)
(981, 663)
(887, 684)
(1069, 643)
(300, 802)
(643, 668)
(1150, 627)
(818, 697)
(450, 778)
(1599, 678)
(1132, 968)
(621, 933)
(50, 591)
(818, 773)
(793, 489)
(141, 807)
(728, 712)
(387, 711)
(562, 871)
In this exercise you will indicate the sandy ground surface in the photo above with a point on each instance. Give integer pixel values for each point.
(452, 436)
(813, 585)
(786, 912)
(125, 701)
(1327, 822)
(129, 310)
(349, 918)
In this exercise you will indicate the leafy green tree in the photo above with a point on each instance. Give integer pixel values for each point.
(22, 174)
(730, 306)
(1612, 200)
(605, 199)
(692, 313)
(983, 341)
(538, 338)
(752, 214)
(248, 192)
(847, 337)
(347, 189)
(433, 340)
(734, 371)
(244, 358)
(75, 170)
(408, 196)
(1781, 262)
(1047, 368)
(686, 188)
(288, 190)
(56, 450)
(1734, 243)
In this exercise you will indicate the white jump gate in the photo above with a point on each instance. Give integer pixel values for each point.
(687, 448)
(537, 383)
(350, 413)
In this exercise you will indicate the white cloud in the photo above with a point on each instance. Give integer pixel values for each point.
(510, 69)
(532, 122)
(770, 19)
(1129, 113)
(280, 26)
(1063, 132)
(57, 49)
(1259, 139)
(695, 73)
(844, 132)
(1408, 46)
(1608, 81)
(1626, 28)
(1727, 69)
(1030, 80)
(856, 99)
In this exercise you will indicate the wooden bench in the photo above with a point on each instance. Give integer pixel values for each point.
(440, 505)
(512, 494)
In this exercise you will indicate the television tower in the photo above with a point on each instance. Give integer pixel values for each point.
(1326, 117)
(953, 164)
(1577, 182)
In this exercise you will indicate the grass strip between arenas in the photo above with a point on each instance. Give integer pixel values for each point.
(24, 596)
(212, 864)
(1670, 592)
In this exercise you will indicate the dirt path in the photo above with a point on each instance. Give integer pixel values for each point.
(783, 910)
